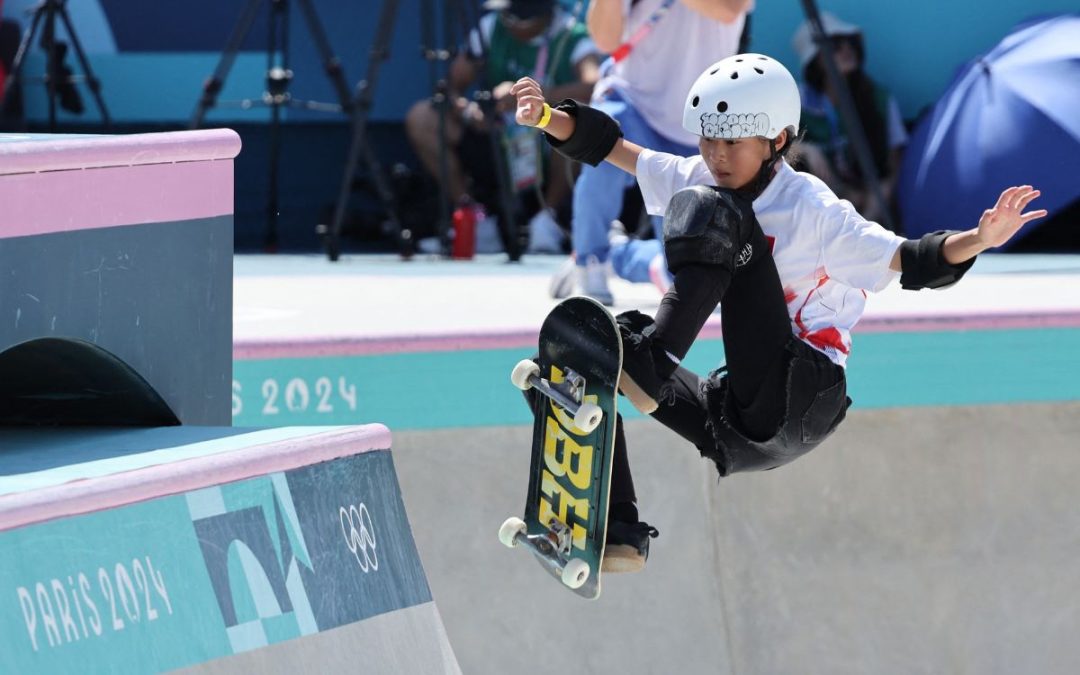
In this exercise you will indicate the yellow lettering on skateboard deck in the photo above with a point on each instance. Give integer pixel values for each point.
(565, 458)
(556, 502)
(561, 453)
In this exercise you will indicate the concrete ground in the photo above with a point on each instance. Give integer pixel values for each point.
(919, 540)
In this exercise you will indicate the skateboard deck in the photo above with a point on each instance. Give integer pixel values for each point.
(576, 385)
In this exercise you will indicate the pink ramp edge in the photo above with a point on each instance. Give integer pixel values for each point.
(162, 480)
(72, 184)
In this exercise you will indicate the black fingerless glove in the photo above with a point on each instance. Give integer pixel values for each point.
(595, 134)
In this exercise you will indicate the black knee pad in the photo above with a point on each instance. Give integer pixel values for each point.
(709, 225)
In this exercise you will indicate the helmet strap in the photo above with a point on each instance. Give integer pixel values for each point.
(754, 188)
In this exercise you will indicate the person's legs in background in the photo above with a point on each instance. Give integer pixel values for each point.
(642, 260)
(469, 175)
(545, 233)
(598, 199)
(422, 129)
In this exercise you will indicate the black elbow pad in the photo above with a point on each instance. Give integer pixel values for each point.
(924, 266)
(595, 133)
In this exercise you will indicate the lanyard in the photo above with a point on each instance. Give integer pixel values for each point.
(642, 32)
(540, 73)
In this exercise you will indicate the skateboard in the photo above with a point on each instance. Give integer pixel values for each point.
(576, 384)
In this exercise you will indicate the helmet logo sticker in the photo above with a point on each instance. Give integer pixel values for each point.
(722, 125)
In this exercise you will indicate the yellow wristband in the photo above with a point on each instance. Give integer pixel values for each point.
(545, 117)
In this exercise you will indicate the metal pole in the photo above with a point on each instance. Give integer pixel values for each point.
(360, 147)
(438, 57)
(214, 84)
(847, 111)
(92, 82)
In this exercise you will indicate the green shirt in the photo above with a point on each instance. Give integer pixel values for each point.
(508, 59)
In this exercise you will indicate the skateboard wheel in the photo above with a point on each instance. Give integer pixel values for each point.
(575, 573)
(520, 375)
(588, 417)
(509, 531)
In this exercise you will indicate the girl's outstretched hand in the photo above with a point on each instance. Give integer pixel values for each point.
(530, 101)
(999, 224)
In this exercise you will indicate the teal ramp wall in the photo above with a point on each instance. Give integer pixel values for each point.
(211, 572)
(432, 390)
(125, 242)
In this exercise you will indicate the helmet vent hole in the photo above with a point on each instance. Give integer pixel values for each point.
(759, 71)
(695, 101)
(738, 60)
(713, 71)
(735, 75)
(721, 106)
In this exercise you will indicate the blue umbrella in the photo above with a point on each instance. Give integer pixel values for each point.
(1011, 117)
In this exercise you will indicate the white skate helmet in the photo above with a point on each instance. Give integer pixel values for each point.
(742, 96)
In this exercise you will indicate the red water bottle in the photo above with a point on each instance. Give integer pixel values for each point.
(463, 245)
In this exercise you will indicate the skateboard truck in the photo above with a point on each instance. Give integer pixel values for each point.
(568, 394)
(550, 548)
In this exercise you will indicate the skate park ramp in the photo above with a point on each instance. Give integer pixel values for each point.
(125, 242)
(917, 540)
(934, 532)
(212, 550)
(139, 532)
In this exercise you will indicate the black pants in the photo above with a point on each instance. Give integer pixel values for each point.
(777, 399)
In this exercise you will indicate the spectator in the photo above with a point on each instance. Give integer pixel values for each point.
(534, 38)
(658, 49)
(825, 150)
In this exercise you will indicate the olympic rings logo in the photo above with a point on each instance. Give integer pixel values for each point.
(359, 535)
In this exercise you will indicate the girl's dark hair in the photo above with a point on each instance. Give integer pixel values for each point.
(866, 105)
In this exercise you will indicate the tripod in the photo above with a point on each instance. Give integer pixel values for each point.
(846, 106)
(58, 83)
(278, 77)
(361, 149)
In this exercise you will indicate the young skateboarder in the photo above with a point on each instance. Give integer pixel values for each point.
(788, 263)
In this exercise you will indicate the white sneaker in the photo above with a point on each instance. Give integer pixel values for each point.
(593, 279)
(617, 234)
(487, 236)
(545, 235)
(562, 282)
(429, 245)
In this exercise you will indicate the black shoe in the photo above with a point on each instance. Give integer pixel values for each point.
(627, 546)
(646, 366)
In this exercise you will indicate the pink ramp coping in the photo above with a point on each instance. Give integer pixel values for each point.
(110, 181)
(271, 451)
